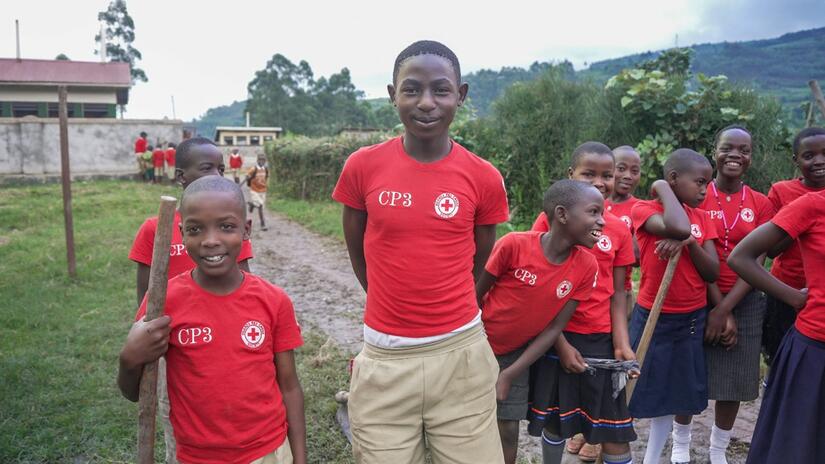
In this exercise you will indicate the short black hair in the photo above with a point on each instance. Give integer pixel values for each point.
(427, 47)
(171, 145)
(150, 147)
(721, 131)
(682, 160)
(597, 148)
(625, 148)
(566, 193)
(143, 134)
(183, 155)
(210, 184)
(804, 134)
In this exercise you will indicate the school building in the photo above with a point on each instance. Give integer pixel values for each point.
(248, 140)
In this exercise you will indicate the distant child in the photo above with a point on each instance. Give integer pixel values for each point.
(195, 158)
(235, 165)
(419, 219)
(530, 287)
(140, 149)
(158, 158)
(258, 180)
(148, 164)
(673, 379)
(621, 201)
(566, 401)
(170, 161)
(788, 267)
(792, 417)
(733, 332)
(227, 337)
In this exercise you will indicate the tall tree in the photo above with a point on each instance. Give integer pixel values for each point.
(120, 33)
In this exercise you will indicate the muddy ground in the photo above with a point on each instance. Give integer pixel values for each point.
(316, 273)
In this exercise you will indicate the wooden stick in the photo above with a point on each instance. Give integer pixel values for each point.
(820, 100)
(811, 117)
(155, 300)
(652, 318)
(66, 178)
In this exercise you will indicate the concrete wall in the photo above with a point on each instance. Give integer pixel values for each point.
(30, 146)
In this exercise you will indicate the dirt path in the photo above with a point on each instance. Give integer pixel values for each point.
(316, 273)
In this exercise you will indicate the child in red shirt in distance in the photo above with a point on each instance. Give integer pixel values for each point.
(621, 201)
(529, 289)
(792, 415)
(787, 267)
(221, 331)
(673, 380)
(566, 403)
(169, 156)
(158, 158)
(235, 165)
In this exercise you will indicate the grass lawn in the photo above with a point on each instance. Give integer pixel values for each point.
(59, 337)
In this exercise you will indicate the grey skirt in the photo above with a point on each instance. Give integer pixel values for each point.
(734, 375)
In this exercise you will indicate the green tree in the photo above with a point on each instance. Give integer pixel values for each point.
(62, 57)
(120, 33)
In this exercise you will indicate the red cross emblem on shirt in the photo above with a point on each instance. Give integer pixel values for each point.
(446, 205)
(253, 334)
(747, 215)
(563, 289)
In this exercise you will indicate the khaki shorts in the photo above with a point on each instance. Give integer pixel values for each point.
(159, 172)
(282, 455)
(441, 394)
(170, 171)
(258, 199)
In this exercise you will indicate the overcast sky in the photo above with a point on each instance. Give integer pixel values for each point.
(205, 53)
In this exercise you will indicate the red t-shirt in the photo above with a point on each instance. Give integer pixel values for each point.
(170, 157)
(688, 291)
(530, 290)
(787, 267)
(419, 242)
(157, 158)
(614, 248)
(622, 211)
(756, 210)
(140, 145)
(235, 161)
(804, 221)
(179, 260)
(223, 391)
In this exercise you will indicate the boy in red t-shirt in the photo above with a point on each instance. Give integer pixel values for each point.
(792, 415)
(673, 380)
(788, 267)
(221, 331)
(235, 165)
(420, 214)
(621, 201)
(530, 288)
(169, 156)
(158, 158)
(195, 158)
(598, 329)
(140, 147)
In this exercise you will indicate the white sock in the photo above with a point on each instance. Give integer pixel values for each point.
(681, 443)
(719, 440)
(659, 430)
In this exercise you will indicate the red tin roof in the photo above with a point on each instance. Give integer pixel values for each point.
(90, 73)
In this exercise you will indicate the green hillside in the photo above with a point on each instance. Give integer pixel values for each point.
(226, 115)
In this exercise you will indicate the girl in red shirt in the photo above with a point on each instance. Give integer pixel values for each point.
(673, 379)
(620, 203)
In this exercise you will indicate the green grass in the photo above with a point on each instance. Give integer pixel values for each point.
(59, 337)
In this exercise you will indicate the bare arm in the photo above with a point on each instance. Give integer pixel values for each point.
(704, 259)
(780, 247)
(483, 285)
(142, 281)
(146, 342)
(744, 260)
(673, 222)
(485, 238)
(618, 316)
(293, 396)
(355, 225)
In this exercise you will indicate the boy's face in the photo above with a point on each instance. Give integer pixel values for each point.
(427, 95)
(205, 160)
(585, 220)
(691, 185)
(213, 228)
(597, 170)
(261, 160)
(811, 159)
(733, 153)
(628, 171)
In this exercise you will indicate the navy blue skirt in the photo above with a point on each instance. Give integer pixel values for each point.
(674, 378)
(791, 424)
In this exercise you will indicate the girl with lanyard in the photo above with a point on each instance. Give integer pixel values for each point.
(734, 325)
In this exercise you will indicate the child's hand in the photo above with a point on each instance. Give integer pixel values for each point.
(146, 342)
(666, 248)
(729, 334)
(625, 353)
(715, 326)
(503, 385)
(572, 362)
(800, 299)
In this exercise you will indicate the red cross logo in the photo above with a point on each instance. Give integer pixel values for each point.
(695, 231)
(604, 243)
(253, 334)
(627, 221)
(563, 289)
(747, 215)
(446, 205)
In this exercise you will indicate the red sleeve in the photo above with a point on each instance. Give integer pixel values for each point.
(141, 251)
(541, 223)
(765, 209)
(350, 190)
(246, 251)
(141, 312)
(773, 196)
(493, 208)
(501, 256)
(624, 255)
(287, 332)
(641, 212)
(587, 278)
(799, 215)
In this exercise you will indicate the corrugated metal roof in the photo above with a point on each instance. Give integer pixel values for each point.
(112, 74)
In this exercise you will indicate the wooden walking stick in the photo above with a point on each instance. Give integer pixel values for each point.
(155, 300)
(652, 318)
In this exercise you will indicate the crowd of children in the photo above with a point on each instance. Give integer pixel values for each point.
(465, 336)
